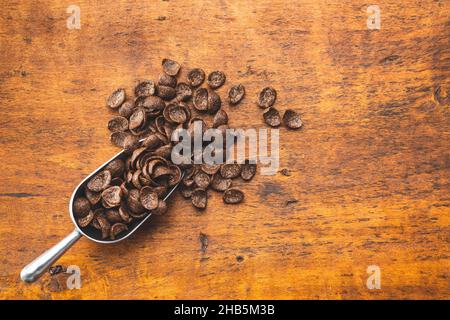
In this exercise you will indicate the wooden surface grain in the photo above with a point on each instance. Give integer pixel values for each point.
(370, 170)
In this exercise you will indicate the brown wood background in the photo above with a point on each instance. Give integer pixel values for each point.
(370, 171)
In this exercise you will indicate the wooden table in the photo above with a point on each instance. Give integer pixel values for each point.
(370, 170)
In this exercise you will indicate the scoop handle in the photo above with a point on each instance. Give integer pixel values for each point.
(38, 266)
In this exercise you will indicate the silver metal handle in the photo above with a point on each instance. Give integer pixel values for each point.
(38, 266)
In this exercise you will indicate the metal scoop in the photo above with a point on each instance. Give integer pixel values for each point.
(38, 266)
